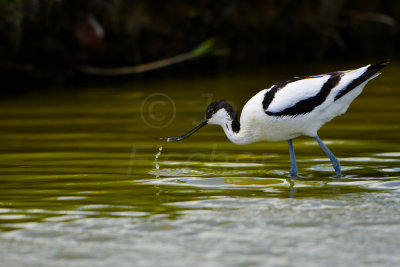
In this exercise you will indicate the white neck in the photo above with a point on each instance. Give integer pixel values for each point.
(223, 119)
(236, 138)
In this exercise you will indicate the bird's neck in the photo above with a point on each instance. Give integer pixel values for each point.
(234, 132)
(227, 118)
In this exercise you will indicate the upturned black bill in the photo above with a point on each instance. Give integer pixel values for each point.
(186, 135)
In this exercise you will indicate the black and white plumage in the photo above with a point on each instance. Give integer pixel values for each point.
(288, 109)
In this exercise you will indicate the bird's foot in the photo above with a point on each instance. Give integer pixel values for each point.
(336, 166)
(293, 173)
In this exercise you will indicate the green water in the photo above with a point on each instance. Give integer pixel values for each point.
(80, 184)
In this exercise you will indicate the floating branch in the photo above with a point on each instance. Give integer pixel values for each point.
(205, 48)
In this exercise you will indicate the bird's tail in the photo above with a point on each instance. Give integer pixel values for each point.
(370, 72)
(374, 68)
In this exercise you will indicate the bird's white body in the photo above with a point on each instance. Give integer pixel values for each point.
(256, 125)
(288, 109)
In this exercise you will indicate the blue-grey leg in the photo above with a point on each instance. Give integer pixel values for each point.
(293, 165)
(334, 160)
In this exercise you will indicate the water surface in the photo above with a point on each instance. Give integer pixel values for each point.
(81, 185)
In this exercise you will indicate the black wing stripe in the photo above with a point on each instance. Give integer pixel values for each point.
(270, 94)
(308, 105)
(370, 71)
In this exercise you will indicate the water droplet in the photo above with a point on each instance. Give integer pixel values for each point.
(156, 161)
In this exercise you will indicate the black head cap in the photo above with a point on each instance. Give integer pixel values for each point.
(222, 104)
(217, 105)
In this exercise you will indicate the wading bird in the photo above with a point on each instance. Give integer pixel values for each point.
(289, 109)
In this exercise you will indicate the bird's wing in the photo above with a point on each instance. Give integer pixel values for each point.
(301, 95)
(352, 79)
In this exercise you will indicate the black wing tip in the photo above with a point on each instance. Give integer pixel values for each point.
(379, 65)
(384, 62)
